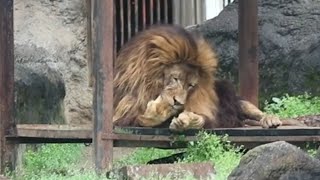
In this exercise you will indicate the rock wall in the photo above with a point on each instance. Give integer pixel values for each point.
(289, 45)
(51, 66)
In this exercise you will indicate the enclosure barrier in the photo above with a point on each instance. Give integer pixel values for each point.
(106, 34)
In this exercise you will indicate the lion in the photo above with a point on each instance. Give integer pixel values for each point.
(165, 76)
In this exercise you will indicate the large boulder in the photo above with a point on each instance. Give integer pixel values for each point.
(50, 52)
(278, 160)
(289, 45)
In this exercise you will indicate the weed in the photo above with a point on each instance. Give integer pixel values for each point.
(293, 106)
(217, 149)
(55, 159)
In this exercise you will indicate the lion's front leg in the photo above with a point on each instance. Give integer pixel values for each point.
(157, 112)
(266, 120)
(187, 120)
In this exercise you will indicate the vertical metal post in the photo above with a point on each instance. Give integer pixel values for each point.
(103, 41)
(7, 123)
(248, 50)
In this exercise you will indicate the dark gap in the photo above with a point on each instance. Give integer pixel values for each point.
(148, 11)
(117, 25)
(155, 12)
(140, 15)
(125, 20)
(132, 18)
(162, 12)
(170, 11)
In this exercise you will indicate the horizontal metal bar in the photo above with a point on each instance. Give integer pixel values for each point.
(240, 139)
(247, 131)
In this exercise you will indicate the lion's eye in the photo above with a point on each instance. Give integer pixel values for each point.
(175, 79)
(191, 86)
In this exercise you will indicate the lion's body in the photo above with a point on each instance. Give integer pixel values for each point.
(144, 78)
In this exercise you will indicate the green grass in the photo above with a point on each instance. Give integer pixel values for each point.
(293, 106)
(54, 159)
(59, 161)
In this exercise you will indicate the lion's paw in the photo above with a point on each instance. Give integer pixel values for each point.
(157, 112)
(270, 121)
(186, 120)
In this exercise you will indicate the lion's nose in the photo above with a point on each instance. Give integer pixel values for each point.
(176, 102)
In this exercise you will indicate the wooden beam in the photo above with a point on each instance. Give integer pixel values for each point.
(161, 137)
(103, 41)
(248, 50)
(54, 131)
(7, 155)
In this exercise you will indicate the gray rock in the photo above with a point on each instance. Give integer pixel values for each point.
(39, 95)
(289, 39)
(317, 155)
(278, 160)
(50, 36)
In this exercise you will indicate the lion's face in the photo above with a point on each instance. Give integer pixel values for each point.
(179, 82)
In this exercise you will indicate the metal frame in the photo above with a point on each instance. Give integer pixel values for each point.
(102, 134)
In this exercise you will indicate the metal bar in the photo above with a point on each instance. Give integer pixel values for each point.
(84, 131)
(151, 11)
(144, 20)
(166, 11)
(238, 139)
(103, 106)
(247, 131)
(122, 21)
(7, 123)
(89, 43)
(129, 19)
(248, 50)
(158, 12)
(136, 15)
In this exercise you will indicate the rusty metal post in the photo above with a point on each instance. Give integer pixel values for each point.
(103, 22)
(248, 50)
(7, 124)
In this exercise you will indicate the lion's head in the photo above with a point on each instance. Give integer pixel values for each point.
(180, 80)
(164, 60)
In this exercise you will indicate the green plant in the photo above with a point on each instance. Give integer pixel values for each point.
(55, 159)
(293, 106)
(216, 149)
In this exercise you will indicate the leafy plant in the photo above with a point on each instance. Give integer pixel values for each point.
(293, 106)
(216, 149)
(50, 159)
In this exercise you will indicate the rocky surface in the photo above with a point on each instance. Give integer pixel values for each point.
(289, 39)
(39, 94)
(50, 48)
(278, 160)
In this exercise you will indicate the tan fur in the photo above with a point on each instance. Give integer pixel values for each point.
(265, 120)
(165, 74)
(140, 67)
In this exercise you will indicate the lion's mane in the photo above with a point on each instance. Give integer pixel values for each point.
(139, 68)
